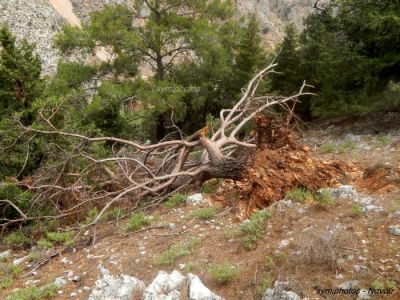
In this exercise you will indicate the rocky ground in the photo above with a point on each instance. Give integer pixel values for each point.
(202, 248)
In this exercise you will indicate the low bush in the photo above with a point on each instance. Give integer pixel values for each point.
(224, 273)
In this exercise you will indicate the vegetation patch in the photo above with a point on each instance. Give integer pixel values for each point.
(34, 293)
(224, 273)
(176, 251)
(62, 238)
(16, 238)
(210, 186)
(254, 228)
(324, 197)
(175, 200)
(138, 221)
(299, 195)
(204, 213)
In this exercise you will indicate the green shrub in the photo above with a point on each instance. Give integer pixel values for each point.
(113, 214)
(265, 284)
(203, 214)
(383, 140)
(324, 196)
(6, 282)
(16, 238)
(210, 186)
(189, 267)
(328, 148)
(33, 256)
(17, 196)
(137, 221)
(357, 209)
(224, 273)
(176, 251)
(175, 200)
(44, 244)
(299, 195)
(253, 229)
(341, 148)
(34, 293)
(63, 238)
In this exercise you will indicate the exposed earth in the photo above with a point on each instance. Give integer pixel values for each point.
(351, 242)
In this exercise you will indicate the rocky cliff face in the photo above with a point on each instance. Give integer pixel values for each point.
(39, 20)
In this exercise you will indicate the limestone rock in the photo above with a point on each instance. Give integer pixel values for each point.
(198, 291)
(165, 286)
(394, 229)
(121, 287)
(195, 199)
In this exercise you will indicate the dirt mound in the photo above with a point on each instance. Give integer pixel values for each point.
(280, 164)
(380, 179)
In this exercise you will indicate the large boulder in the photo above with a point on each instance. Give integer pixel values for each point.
(165, 287)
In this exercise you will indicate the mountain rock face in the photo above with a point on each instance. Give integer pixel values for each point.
(40, 20)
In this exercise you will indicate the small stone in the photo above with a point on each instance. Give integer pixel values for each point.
(303, 210)
(31, 282)
(5, 254)
(76, 278)
(397, 267)
(65, 261)
(73, 294)
(360, 268)
(195, 199)
(394, 229)
(283, 244)
(363, 295)
(338, 276)
(86, 289)
(348, 284)
(394, 215)
(60, 282)
(19, 261)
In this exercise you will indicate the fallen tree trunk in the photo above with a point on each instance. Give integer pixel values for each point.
(138, 171)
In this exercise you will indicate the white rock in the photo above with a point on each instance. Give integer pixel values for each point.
(163, 286)
(396, 214)
(344, 191)
(360, 268)
(19, 261)
(279, 292)
(283, 244)
(338, 276)
(195, 199)
(5, 254)
(372, 208)
(348, 284)
(121, 287)
(31, 282)
(65, 261)
(60, 282)
(363, 295)
(397, 267)
(198, 291)
(365, 200)
(394, 229)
